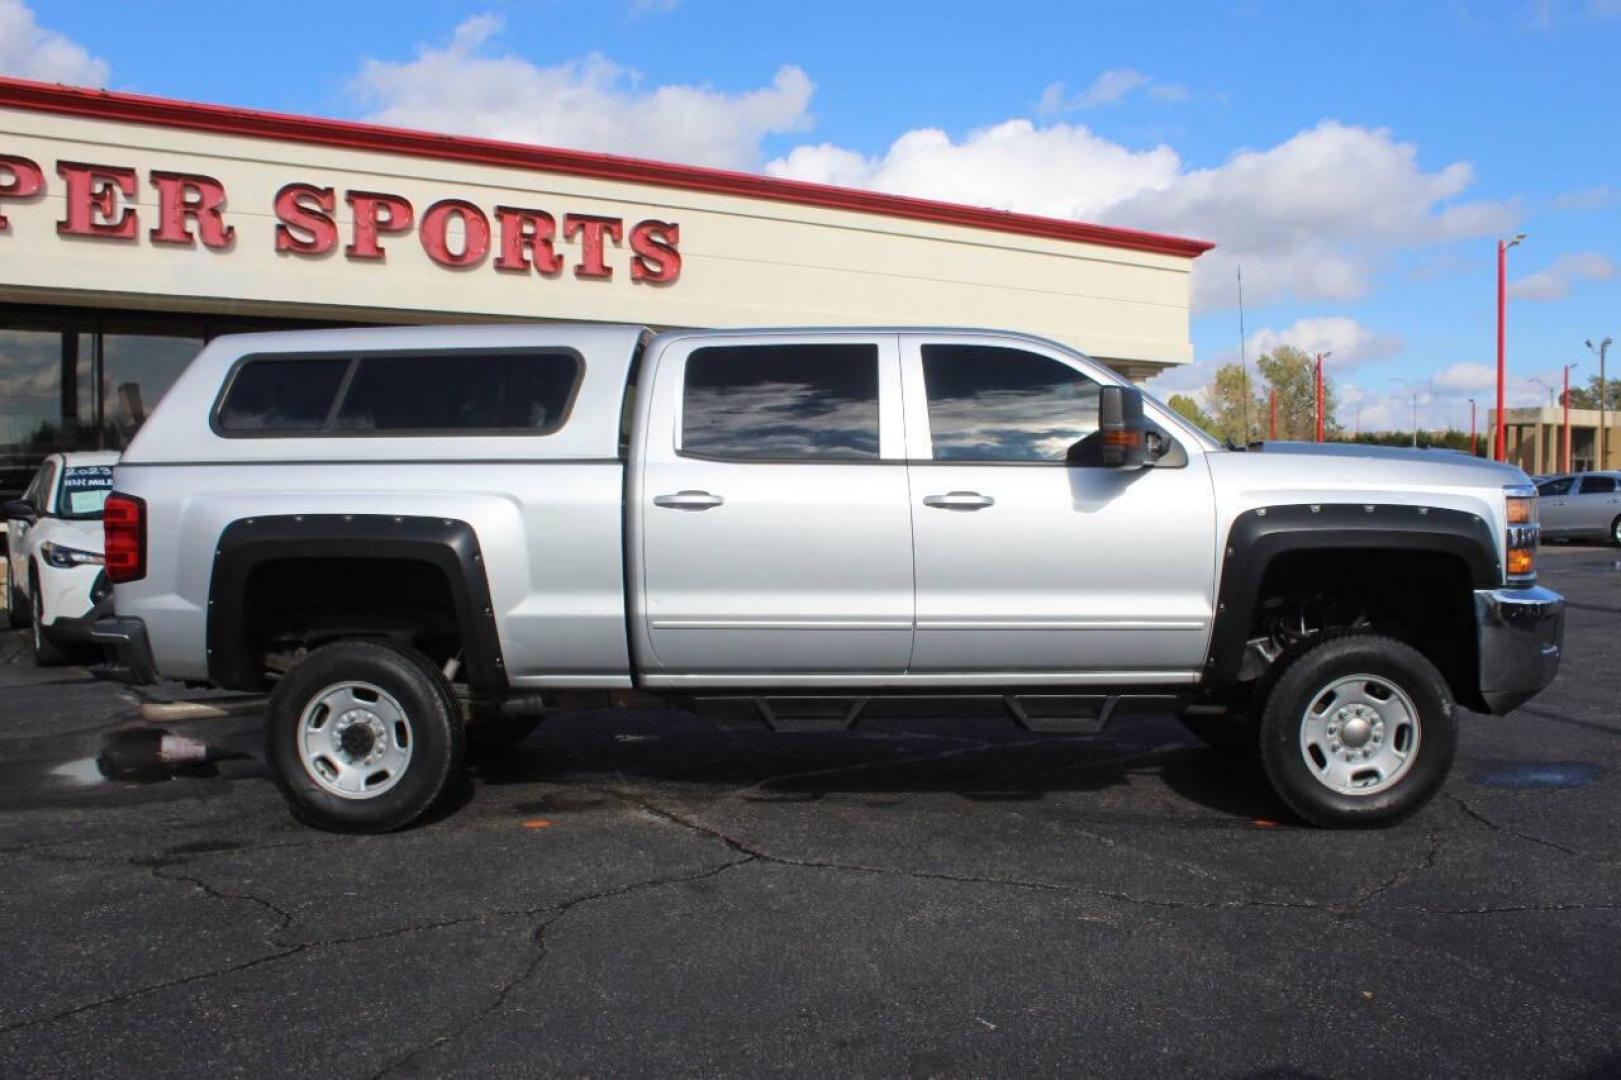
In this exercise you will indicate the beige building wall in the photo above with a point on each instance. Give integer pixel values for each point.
(1535, 439)
(745, 260)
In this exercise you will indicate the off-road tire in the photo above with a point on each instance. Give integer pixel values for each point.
(1299, 684)
(421, 691)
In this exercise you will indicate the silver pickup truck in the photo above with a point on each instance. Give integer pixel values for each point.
(413, 537)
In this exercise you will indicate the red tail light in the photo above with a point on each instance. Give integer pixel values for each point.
(123, 528)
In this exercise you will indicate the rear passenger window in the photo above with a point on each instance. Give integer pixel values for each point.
(282, 395)
(1598, 485)
(782, 403)
(460, 392)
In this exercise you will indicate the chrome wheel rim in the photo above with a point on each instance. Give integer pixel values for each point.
(355, 740)
(1359, 735)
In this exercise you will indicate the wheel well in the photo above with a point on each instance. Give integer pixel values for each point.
(293, 605)
(1425, 599)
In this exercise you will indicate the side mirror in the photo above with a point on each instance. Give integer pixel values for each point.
(20, 510)
(1122, 427)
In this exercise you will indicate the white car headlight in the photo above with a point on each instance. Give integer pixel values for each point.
(64, 558)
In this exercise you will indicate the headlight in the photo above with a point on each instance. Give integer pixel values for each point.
(65, 558)
(1524, 532)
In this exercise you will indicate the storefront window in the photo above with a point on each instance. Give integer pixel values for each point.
(86, 379)
(45, 398)
(137, 370)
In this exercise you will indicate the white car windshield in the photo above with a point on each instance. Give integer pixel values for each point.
(83, 490)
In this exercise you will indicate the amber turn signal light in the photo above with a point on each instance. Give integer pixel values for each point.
(1521, 561)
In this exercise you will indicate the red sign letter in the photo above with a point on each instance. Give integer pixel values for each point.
(375, 213)
(526, 233)
(92, 200)
(26, 179)
(475, 233)
(182, 196)
(308, 210)
(656, 259)
(591, 229)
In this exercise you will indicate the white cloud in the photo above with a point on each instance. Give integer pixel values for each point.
(1347, 341)
(1110, 88)
(29, 51)
(1465, 377)
(1554, 282)
(1060, 170)
(1597, 197)
(588, 104)
(1312, 218)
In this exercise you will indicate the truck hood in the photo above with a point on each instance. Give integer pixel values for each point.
(1382, 461)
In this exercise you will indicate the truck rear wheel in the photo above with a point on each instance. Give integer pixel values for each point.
(363, 736)
(1358, 731)
(16, 607)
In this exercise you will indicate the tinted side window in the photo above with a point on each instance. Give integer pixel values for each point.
(993, 403)
(782, 402)
(1598, 485)
(1560, 486)
(282, 395)
(460, 391)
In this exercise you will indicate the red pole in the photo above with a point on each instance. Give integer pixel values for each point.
(1502, 280)
(1566, 399)
(1272, 420)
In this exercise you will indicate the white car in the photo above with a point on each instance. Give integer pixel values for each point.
(54, 546)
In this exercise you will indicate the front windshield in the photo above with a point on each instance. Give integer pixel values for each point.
(83, 491)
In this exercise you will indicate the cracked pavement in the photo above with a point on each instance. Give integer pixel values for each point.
(648, 893)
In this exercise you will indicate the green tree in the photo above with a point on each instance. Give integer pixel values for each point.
(1288, 371)
(1586, 397)
(1230, 396)
(1189, 410)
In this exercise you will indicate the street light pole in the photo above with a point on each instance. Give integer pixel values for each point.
(1472, 450)
(1321, 396)
(1566, 399)
(1601, 348)
(1502, 322)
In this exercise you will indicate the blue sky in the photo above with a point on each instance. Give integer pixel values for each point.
(1358, 159)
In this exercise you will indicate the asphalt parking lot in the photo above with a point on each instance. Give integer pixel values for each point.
(644, 893)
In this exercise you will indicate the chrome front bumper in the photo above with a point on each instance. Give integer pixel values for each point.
(1521, 633)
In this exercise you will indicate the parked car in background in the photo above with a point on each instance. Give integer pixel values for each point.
(1581, 506)
(54, 548)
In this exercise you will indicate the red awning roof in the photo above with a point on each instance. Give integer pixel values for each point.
(252, 123)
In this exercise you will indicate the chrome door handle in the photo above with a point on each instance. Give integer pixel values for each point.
(688, 500)
(959, 500)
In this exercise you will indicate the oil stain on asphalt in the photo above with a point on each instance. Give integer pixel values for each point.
(1522, 775)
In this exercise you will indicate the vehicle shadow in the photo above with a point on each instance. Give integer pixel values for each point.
(978, 759)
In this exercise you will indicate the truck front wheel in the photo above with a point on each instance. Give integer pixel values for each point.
(1358, 731)
(363, 736)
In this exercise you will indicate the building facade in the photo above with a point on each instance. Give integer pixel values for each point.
(1535, 439)
(133, 229)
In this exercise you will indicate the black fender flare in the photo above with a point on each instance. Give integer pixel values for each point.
(449, 545)
(1259, 536)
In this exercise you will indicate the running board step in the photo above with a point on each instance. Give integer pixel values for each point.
(1068, 714)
